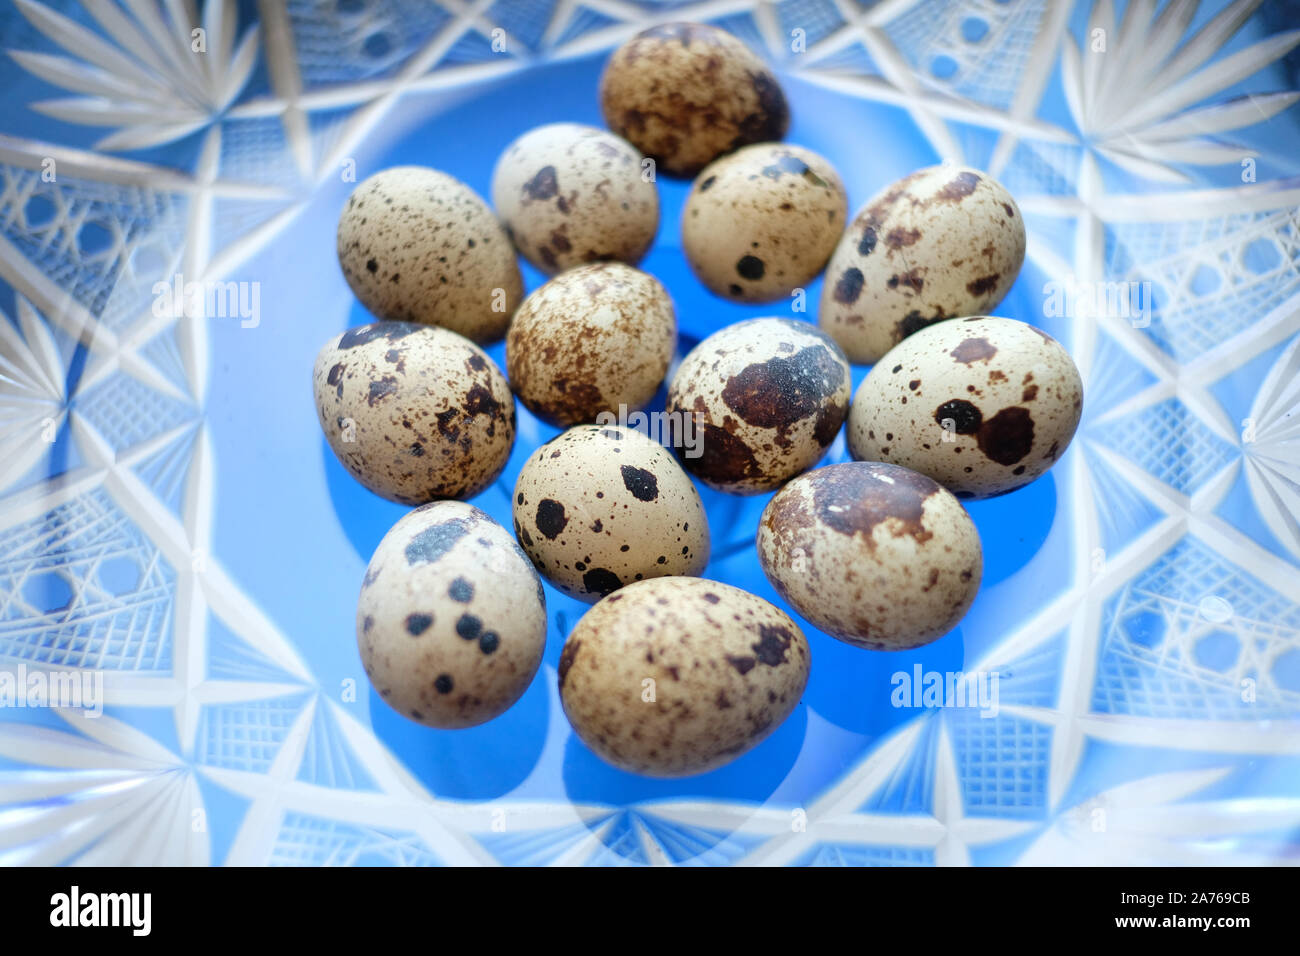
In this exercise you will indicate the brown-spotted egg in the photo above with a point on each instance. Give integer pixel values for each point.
(601, 506)
(982, 405)
(414, 412)
(451, 622)
(570, 194)
(873, 554)
(762, 221)
(945, 241)
(592, 339)
(418, 245)
(677, 676)
(766, 398)
(685, 93)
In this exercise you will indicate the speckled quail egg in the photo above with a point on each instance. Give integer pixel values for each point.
(945, 241)
(763, 221)
(592, 339)
(599, 507)
(418, 245)
(570, 194)
(873, 554)
(451, 622)
(685, 93)
(767, 397)
(678, 676)
(981, 405)
(414, 412)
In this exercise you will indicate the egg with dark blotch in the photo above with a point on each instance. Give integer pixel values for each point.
(451, 622)
(982, 405)
(418, 245)
(599, 507)
(686, 93)
(945, 241)
(873, 554)
(765, 399)
(570, 194)
(679, 676)
(762, 222)
(594, 339)
(414, 412)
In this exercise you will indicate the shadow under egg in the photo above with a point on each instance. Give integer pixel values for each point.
(364, 516)
(475, 763)
(1013, 526)
(753, 777)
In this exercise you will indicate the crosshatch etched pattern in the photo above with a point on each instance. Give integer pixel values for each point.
(86, 588)
(1162, 670)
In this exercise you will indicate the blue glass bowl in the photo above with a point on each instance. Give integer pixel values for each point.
(174, 526)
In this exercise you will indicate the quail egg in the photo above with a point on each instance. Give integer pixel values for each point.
(592, 339)
(945, 241)
(767, 397)
(762, 222)
(873, 554)
(418, 245)
(570, 194)
(677, 676)
(414, 412)
(685, 93)
(982, 405)
(451, 622)
(600, 506)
